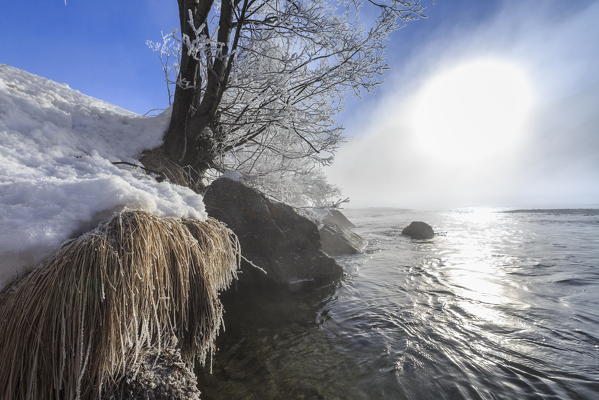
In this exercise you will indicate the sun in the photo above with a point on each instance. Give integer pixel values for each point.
(471, 112)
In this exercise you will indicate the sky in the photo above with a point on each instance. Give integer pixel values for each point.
(522, 78)
(96, 47)
(400, 150)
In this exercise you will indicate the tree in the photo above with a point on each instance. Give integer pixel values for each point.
(266, 77)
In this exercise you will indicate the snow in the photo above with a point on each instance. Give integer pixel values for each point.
(233, 175)
(57, 177)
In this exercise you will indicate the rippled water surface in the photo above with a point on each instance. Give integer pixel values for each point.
(497, 306)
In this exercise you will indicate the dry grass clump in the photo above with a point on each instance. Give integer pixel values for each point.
(76, 322)
(155, 161)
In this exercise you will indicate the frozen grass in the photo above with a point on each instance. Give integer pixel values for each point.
(74, 324)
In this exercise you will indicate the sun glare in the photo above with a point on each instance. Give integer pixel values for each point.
(471, 112)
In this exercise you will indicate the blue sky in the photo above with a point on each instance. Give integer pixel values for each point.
(98, 48)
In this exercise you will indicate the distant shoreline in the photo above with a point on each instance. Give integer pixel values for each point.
(505, 210)
(576, 211)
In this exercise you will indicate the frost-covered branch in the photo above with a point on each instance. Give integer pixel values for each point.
(264, 79)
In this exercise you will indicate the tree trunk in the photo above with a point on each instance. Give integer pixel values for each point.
(175, 140)
(188, 141)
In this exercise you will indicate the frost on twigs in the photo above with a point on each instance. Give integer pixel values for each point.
(156, 374)
(269, 77)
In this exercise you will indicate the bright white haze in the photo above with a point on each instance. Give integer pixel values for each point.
(500, 115)
(471, 112)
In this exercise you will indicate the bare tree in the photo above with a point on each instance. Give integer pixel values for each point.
(267, 76)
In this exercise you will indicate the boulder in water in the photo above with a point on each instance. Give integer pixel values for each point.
(419, 230)
(272, 235)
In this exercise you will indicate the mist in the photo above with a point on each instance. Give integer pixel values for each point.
(554, 162)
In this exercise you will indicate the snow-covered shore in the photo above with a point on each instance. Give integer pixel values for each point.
(57, 177)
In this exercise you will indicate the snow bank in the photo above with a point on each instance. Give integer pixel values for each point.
(57, 179)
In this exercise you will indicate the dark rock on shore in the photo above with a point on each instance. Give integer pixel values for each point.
(336, 217)
(156, 375)
(337, 237)
(419, 230)
(272, 235)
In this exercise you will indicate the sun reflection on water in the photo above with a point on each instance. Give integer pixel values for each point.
(474, 266)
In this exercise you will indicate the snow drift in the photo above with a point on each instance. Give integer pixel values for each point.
(57, 177)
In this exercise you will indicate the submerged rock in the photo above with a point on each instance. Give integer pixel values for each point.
(337, 237)
(272, 235)
(419, 230)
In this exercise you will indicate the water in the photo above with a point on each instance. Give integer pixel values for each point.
(497, 306)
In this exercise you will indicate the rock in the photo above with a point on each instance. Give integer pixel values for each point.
(336, 217)
(336, 236)
(419, 230)
(272, 235)
(155, 375)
